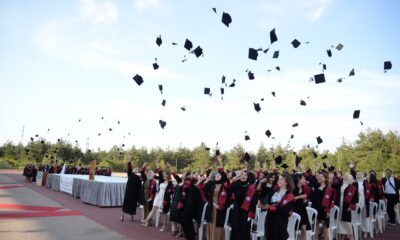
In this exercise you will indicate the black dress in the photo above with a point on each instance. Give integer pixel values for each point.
(174, 214)
(132, 192)
(299, 207)
(316, 199)
(240, 225)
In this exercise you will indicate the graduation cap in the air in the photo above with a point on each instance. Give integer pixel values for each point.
(278, 160)
(138, 79)
(198, 51)
(110, 129)
(295, 125)
(339, 80)
(253, 54)
(298, 160)
(188, 44)
(155, 66)
(222, 91)
(319, 140)
(160, 87)
(319, 78)
(223, 78)
(159, 40)
(268, 133)
(323, 67)
(272, 36)
(295, 43)
(291, 136)
(246, 157)
(352, 73)
(233, 83)
(32, 139)
(215, 10)
(250, 75)
(257, 107)
(276, 54)
(303, 103)
(339, 46)
(99, 134)
(325, 156)
(329, 52)
(315, 154)
(387, 65)
(356, 114)
(284, 166)
(273, 94)
(183, 108)
(246, 137)
(163, 102)
(207, 91)
(162, 123)
(226, 19)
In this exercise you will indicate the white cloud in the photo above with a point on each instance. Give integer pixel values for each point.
(142, 5)
(99, 12)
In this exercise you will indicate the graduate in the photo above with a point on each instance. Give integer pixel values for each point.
(132, 192)
(301, 194)
(149, 190)
(174, 213)
(279, 206)
(244, 204)
(216, 190)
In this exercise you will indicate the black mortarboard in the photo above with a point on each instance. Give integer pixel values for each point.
(352, 73)
(215, 10)
(159, 40)
(207, 90)
(356, 114)
(163, 102)
(276, 54)
(315, 154)
(303, 103)
(223, 79)
(160, 87)
(278, 160)
(387, 65)
(295, 43)
(253, 54)
(273, 94)
(298, 160)
(284, 165)
(339, 46)
(247, 137)
(324, 157)
(226, 19)
(246, 157)
(183, 108)
(138, 79)
(339, 80)
(250, 75)
(198, 51)
(295, 125)
(324, 67)
(266, 50)
(268, 133)
(291, 136)
(155, 66)
(188, 44)
(222, 91)
(257, 107)
(118, 122)
(272, 36)
(99, 134)
(319, 140)
(110, 129)
(329, 52)
(162, 124)
(324, 165)
(319, 78)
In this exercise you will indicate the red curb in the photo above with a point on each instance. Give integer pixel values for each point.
(28, 207)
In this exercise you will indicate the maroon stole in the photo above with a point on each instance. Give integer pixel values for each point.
(222, 197)
(284, 201)
(349, 194)
(329, 198)
(185, 186)
(275, 187)
(249, 196)
(367, 190)
(152, 186)
(307, 190)
(201, 187)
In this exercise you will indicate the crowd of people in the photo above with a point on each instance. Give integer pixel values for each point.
(30, 170)
(279, 193)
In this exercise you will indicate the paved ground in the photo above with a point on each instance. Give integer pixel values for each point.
(60, 216)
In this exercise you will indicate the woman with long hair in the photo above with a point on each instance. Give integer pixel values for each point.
(301, 194)
(279, 206)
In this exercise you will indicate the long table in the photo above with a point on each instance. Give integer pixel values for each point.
(103, 191)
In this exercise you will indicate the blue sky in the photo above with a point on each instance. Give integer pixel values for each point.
(70, 60)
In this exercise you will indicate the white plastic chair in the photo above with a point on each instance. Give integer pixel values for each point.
(385, 212)
(397, 211)
(203, 222)
(259, 232)
(381, 216)
(312, 218)
(254, 221)
(293, 226)
(333, 222)
(373, 209)
(227, 227)
(356, 222)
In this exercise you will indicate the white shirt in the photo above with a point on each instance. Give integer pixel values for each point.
(388, 188)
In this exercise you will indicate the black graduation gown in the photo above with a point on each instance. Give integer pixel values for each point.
(132, 193)
(240, 225)
(209, 190)
(174, 213)
(191, 207)
(346, 215)
(276, 222)
(299, 207)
